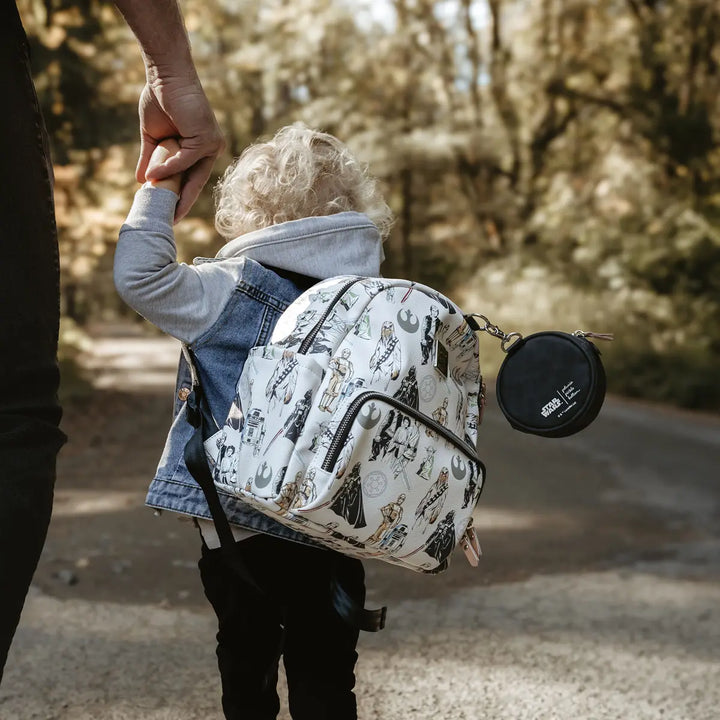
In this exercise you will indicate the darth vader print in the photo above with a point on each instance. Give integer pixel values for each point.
(348, 503)
(442, 542)
(408, 391)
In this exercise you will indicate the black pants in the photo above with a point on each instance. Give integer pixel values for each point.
(294, 618)
(29, 312)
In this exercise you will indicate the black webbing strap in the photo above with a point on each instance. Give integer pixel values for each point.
(196, 462)
(353, 613)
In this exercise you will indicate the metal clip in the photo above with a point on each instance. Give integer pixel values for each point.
(471, 545)
(491, 329)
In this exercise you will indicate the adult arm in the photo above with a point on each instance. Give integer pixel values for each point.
(173, 102)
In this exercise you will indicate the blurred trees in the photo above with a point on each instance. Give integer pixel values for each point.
(557, 160)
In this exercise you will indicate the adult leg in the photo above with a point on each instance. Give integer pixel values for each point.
(250, 631)
(319, 650)
(29, 313)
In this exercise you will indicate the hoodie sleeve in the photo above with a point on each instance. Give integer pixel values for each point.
(182, 300)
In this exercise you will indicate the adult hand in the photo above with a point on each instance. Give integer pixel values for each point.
(177, 107)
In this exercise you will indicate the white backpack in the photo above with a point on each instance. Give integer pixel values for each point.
(357, 424)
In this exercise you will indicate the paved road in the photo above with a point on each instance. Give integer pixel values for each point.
(598, 595)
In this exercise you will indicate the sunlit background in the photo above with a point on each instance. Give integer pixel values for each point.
(554, 164)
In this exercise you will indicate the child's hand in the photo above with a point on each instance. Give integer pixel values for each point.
(165, 149)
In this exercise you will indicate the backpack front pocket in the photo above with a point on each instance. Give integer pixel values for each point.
(394, 482)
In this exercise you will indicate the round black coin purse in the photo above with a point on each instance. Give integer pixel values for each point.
(551, 384)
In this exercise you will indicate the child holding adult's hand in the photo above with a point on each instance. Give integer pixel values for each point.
(164, 151)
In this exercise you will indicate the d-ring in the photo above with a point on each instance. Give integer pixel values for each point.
(514, 336)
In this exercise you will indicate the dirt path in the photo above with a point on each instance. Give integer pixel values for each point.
(597, 596)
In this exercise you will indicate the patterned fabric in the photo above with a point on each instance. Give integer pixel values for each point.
(357, 423)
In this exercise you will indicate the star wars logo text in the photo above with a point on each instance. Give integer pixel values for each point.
(551, 407)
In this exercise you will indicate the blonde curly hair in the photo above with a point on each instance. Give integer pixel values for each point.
(299, 173)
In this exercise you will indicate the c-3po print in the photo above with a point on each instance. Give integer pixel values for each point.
(307, 491)
(391, 515)
(341, 370)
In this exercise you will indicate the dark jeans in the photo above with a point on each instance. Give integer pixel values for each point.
(293, 618)
(29, 411)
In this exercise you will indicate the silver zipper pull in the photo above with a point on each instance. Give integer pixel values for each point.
(597, 336)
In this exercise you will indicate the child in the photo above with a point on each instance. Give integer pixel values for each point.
(294, 210)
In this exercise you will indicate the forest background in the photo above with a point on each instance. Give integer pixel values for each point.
(553, 164)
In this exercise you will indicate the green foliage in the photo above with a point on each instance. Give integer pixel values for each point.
(689, 377)
(572, 147)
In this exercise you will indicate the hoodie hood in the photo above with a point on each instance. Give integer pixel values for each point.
(346, 243)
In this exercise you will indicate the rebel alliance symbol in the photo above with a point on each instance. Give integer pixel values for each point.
(459, 469)
(408, 321)
(369, 417)
(263, 475)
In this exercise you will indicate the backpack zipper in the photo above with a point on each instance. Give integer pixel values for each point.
(307, 342)
(353, 410)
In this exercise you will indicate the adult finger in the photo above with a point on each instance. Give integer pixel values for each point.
(184, 159)
(195, 180)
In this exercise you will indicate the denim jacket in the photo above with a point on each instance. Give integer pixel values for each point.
(221, 307)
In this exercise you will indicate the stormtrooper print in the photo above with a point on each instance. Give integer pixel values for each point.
(386, 360)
